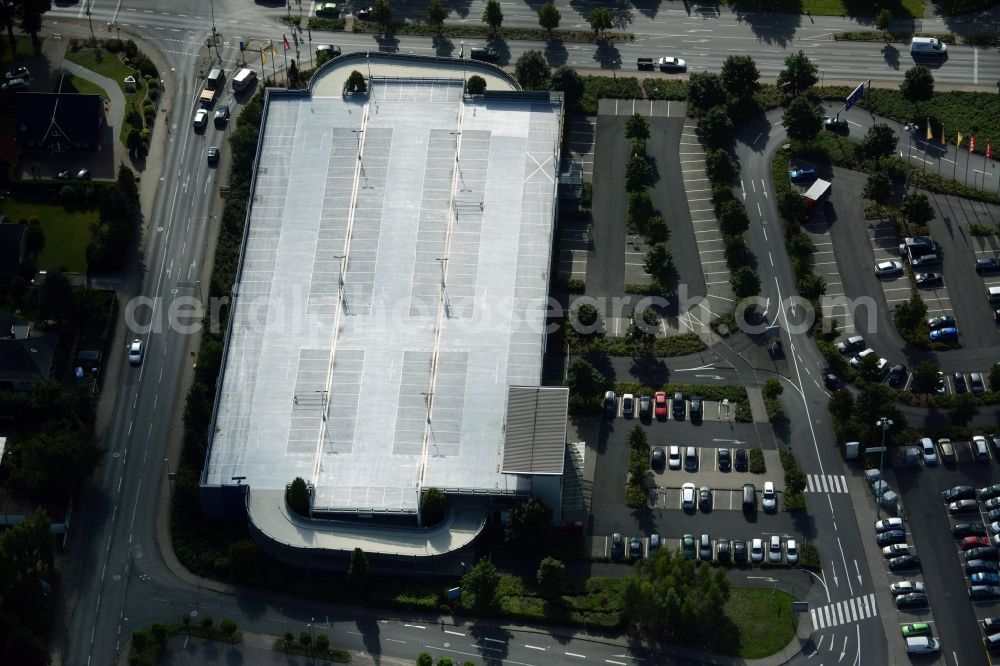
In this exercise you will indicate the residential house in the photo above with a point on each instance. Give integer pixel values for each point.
(59, 122)
(25, 355)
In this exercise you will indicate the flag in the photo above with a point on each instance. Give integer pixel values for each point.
(972, 143)
(930, 134)
(958, 140)
(989, 149)
(274, 51)
(944, 141)
(288, 47)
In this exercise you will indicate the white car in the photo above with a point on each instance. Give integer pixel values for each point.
(887, 524)
(672, 64)
(856, 361)
(135, 352)
(674, 457)
(200, 118)
(906, 586)
(628, 405)
(791, 552)
(774, 551)
(769, 499)
(927, 451)
(888, 268)
(687, 496)
(756, 550)
(896, 550)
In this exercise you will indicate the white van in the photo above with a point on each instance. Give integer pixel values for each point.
(928, 46)
(244, 78)
(993, 295)
(922, 645)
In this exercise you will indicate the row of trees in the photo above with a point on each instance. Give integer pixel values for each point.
(26, 15)
(26, 591)
(600, 19)
(116, 231)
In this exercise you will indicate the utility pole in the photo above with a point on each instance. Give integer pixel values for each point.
(215, 42)
(90, 21)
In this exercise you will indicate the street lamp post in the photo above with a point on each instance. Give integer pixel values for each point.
(885, 424)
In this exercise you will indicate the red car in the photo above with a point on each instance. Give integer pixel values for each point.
(660, 405)
(975, 542)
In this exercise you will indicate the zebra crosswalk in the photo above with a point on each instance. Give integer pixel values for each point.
(826, 483)
(844, 612)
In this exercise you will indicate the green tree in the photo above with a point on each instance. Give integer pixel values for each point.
(356, 83)
(705, 91)
(659, 263)
(305, 639)
(476, 85)
(868, 368)
(880, 141)
(917, 209)
(52, 461)
(206, 622)
(160, 633)
(570, 83)
(636, 127)
(293, 74)
(29, 17)
(963, 410)
(639, 174)
(841, 405)
(600, 19)
(433, 504)
(733, 218)
(297, 497)
(551, 577)
(531, 70)
(799, 74)
(585, 380)
(244, 560)
(481, 583)
(811, 286)
(791, 206)
(882, 20)
(382, 13)
(357, 573)
(740, 76)
(529, 527)
(670, 598)
(721, 167)
(424, 659)
(745, 282)
(925, 378)
(878, 188)
(55, 298)
(140, 640)
(436, 14)
(133, 141)
(548, 18)
(801, 119)
(994, 377)
(493, 15)
(228, 628)
(322, 643)
(716, 127)
(588, 321)
(918, 84)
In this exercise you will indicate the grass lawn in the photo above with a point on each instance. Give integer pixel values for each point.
(111, 66)
(73, 83)
(24, 50)
(67, 233)
(899, 8)
(763, 618)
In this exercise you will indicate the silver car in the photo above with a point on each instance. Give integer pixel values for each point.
(774, 550)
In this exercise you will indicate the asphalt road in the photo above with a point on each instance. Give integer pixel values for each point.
(704, 39)
(808, 435)
(126, 584)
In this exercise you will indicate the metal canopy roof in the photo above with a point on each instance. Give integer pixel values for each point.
(535, 441)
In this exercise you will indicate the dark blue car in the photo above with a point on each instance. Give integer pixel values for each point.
(803, 175)
(949, 334)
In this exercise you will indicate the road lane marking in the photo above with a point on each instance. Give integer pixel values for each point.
(535, 647)
(453, 633)
(417, 626)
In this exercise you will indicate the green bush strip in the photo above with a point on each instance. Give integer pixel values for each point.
(417, 28)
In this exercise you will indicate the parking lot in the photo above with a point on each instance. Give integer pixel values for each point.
(825, 266)
(930, 529)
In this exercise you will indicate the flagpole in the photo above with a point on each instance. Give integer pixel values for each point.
(284, 58)
(969, 155)
(955, 167)
(274, 71)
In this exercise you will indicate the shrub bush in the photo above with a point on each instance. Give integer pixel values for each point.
(757, 465)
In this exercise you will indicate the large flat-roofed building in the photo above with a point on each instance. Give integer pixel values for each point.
(392, 290)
